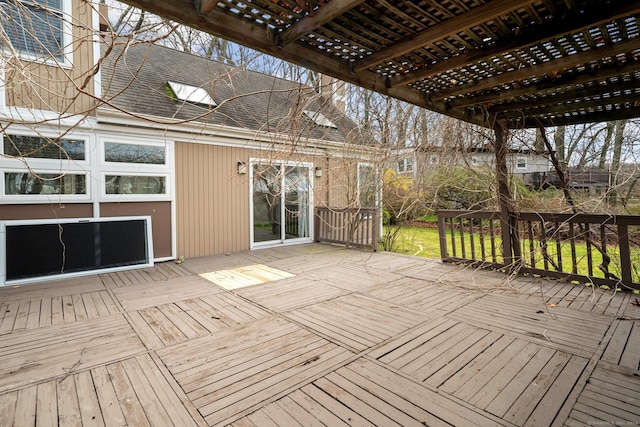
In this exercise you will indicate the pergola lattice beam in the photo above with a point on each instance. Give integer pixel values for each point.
(476, 16)
(576, 97)
(555, 66)
(551, 85)
(310, 22)
(597, 16)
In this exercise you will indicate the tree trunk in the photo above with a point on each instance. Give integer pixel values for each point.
(510, 239)
(605, 147)
(618, 140)
(558, 140)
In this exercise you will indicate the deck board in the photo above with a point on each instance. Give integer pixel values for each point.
(162, 271)
(360, 277)
(355, 338)
(356, 321)
(42, 312)
(422, 295)
(137, 297)
(609, 397)
(574, 332)
(289, 294)
(223, 385)
(57, 351)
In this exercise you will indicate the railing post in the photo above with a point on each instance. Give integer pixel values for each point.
(625, 253)
(508, 221)
(442, 233)
(375, 229)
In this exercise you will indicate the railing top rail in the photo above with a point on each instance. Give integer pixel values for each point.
(547, 216)
(468, 214)
(341, 210)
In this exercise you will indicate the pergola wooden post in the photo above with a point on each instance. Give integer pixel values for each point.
(508, 223)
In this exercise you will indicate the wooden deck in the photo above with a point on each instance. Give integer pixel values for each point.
(317, 335)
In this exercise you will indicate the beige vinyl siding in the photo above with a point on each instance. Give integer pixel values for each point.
(212, 200)
(53, 88)
(341, 180)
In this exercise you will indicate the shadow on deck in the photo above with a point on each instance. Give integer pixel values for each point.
(317, 335)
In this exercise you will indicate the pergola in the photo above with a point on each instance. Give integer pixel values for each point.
(524, 63)
(503, 64)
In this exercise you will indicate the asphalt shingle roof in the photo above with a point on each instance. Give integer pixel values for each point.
(135, 75)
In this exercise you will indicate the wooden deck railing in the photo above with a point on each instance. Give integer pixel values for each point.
(353, 227)
(597, 249)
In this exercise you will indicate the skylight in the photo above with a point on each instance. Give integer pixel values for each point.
(196, 95)
(319, 119)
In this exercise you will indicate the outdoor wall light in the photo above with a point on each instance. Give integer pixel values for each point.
(242, 168)
(318, 172)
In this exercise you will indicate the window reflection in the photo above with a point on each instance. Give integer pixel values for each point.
(44, 183)
(43, 148)
(134, 153)
(133, 184)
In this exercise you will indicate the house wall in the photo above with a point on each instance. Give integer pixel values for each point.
(212, 199)
(341, 182)
(212, 202)
(54, 87)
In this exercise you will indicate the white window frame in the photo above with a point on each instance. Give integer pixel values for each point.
(135, 197)
(520, 160)
(46, 198)
(104, 161)
(45, 166)
(67, 38)
(193, 94)
(319, 119)
(283, 164)
(135, 169)
(405, 165)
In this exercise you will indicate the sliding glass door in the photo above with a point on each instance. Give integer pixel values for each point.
(281, 203)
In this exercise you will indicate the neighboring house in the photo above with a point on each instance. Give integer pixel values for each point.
(520, 162)
(221, 158)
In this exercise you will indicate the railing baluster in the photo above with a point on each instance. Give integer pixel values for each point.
(558, 245)
(574, 256)
(542, 230)
(492, 234)
(543, 244)
(483, 251)
(587, 239)
(463, 249)
(453, 238)
(472, 240)
(532, 247)
(603, 244)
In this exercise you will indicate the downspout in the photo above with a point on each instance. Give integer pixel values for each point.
(508, 222)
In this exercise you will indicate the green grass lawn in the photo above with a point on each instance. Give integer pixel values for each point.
(418, 241)
(425, 242)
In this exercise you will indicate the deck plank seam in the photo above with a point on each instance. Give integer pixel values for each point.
(572, 398)
(439, 392)
(288, 390)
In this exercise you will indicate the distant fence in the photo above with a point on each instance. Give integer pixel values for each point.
(353, 227)
(598, 249)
